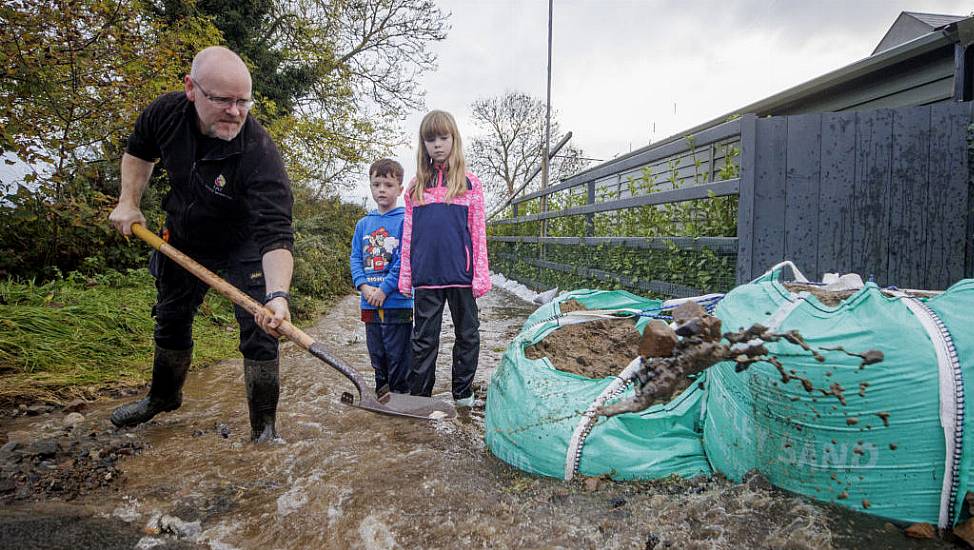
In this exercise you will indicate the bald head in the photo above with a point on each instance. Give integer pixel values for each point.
(221, 63)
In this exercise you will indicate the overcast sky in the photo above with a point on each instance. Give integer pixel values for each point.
(625, 73)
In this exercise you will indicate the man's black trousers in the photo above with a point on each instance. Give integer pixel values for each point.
(179, 294)
(428, 317)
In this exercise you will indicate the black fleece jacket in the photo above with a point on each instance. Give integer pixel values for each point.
(222, 193)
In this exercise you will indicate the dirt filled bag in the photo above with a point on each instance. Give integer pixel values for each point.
(888, 438)
(536, 414)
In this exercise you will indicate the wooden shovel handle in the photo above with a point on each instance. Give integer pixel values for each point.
(232, 293)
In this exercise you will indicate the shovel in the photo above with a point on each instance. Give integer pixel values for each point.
(385, 402)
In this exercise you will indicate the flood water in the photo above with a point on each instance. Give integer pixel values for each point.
(345, 478)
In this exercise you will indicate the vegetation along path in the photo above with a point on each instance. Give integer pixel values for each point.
(346, 478)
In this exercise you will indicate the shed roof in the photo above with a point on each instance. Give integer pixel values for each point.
(911, 25)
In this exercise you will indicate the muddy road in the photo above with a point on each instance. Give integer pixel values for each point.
(344, 478)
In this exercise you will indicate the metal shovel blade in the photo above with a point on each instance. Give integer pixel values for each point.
(393, 404)
(398, 404)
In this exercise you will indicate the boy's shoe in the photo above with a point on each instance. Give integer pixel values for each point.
(466, 402)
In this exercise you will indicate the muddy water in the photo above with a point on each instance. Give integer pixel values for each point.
(345, 478)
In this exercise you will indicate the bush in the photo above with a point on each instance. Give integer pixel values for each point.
(322, 244)
(43, 235)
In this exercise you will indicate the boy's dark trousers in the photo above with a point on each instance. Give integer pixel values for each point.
(390, 353)
(428, 314)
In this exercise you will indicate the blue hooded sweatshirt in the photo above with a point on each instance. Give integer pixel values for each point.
(375, 256)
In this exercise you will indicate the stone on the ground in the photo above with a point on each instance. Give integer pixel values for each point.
(921, 531)
(127, 513)
(966, 531)
(44, 448)
(149, 542)
(73, 419)
(7, 485)
(20, 437)
(38, 409)
(152, 526)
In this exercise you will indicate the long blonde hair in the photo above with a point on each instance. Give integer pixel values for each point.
(439, 123)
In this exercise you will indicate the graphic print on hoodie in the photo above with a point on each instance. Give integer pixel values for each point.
(375, 258)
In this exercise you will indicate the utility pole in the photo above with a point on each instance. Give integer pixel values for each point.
(547, 134)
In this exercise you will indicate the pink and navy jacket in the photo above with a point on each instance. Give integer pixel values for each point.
(444, 244)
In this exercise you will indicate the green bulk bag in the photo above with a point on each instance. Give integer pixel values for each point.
(883, 452)
(533, 410)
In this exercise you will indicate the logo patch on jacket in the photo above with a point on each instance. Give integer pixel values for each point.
(220, 181)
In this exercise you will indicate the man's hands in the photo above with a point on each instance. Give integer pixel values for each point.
(135, 174)
(269, 323)
(373, 295)
(278, 266)
(123, 216)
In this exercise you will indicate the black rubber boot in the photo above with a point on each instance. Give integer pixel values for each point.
(263, 390)
(169, 370)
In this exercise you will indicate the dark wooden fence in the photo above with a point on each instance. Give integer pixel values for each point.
(884, 193)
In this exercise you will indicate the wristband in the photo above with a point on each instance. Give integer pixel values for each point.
(278, 294)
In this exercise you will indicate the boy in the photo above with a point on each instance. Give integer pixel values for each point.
(388, 315)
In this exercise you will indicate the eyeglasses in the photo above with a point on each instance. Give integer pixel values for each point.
(225, 102)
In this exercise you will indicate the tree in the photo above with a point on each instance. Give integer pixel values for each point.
(334, 79)
(368, 56)
(510, 148)
(75, 76)
(251, 28)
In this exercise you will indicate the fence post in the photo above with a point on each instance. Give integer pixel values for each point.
(745, 199)
(590, 218)
(711, 175)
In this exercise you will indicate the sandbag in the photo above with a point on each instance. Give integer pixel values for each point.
(871, 438)
(533, 410)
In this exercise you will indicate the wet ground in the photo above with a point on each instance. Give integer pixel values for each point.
(344, 478)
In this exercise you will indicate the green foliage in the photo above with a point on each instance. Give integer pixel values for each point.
(322, 245)
(278, 77)
(333, 80)
(42, 237)
(630, 267)
(75, 76)
(74, 332)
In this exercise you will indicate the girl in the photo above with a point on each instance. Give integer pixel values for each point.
(444, 256)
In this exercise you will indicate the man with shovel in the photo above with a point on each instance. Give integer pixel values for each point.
(229, 208)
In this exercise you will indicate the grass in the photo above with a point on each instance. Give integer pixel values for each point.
(72, 336)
